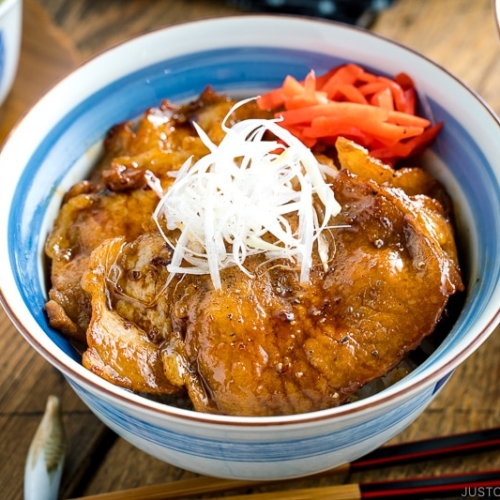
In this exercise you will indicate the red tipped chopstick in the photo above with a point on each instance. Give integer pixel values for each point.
(430, 449)
(468, 485)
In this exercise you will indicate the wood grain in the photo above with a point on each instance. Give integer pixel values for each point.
(95, 26)
(459, 34)
(46, 55)
(26, 380)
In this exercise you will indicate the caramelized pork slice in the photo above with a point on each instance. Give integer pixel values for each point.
(128, 321)
(270, 345)
(84, 222)
(413, 181)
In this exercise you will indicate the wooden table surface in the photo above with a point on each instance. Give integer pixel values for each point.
(58, 34)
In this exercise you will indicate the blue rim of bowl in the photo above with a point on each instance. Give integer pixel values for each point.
(378, 400)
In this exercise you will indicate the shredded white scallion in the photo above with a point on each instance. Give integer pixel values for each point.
(226, 202)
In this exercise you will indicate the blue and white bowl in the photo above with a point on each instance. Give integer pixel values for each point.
(10, 43)
(56, 142)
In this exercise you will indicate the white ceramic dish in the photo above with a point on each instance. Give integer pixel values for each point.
(10, 43)
(56, 142)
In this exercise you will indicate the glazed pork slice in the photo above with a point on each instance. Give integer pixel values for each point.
(130, 313)
(84, 222)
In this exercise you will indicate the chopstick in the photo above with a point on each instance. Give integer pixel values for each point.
(430, 449)
(189, 487)
(466, 484)
(398, 454)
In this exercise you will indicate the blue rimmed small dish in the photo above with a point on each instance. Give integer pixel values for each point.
(10, 43)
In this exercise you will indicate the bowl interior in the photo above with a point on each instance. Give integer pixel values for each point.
(43, 161)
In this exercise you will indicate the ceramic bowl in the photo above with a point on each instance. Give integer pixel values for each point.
(10, 43)
(57, 141)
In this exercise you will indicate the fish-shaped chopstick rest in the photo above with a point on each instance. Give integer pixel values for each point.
(45, 461)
